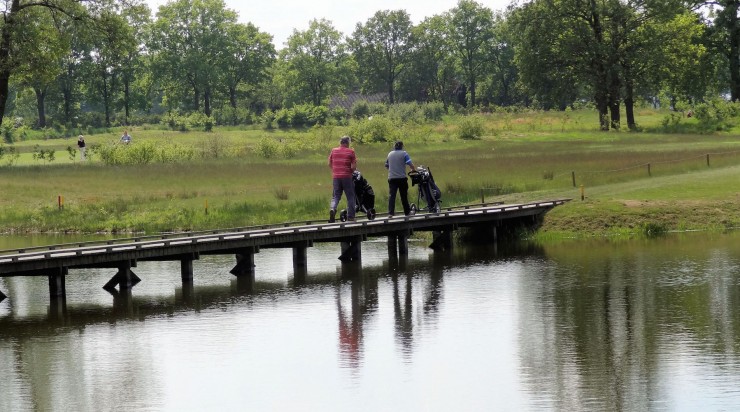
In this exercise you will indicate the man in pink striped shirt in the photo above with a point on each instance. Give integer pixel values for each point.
(343, 162)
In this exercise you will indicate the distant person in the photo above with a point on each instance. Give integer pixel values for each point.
(126, 138)
(342, 161)
(397, 181)
(81, 146)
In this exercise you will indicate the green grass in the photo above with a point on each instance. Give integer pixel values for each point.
(521, 157)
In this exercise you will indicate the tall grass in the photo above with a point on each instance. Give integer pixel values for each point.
(517, 157)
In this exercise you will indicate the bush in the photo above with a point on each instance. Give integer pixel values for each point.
(360, 110)
(268, 119)
(716, 115)
(267, 148)
(284, 118)
(471, 127)
(377, 129)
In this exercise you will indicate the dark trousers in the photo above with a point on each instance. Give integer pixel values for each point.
(402, 186)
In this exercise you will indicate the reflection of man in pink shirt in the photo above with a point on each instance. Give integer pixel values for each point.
(343, 162)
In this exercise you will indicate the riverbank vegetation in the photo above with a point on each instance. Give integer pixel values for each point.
(633, 183)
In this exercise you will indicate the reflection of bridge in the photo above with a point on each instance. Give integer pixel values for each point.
(56, 260)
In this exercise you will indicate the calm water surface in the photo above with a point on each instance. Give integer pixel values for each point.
(577, 326)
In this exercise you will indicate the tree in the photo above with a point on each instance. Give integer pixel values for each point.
(40, 45)
(432, 69)
(470, 30)
(189, 41)
(249, 55)
(382, 48)
(13, 29)
(315, 64)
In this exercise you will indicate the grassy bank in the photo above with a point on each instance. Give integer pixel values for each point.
(633, 182)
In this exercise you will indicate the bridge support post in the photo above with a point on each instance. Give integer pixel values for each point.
(186, 270)
(245, 262)
(351, 249)
(244, 269)
(398, 244)
(300, 261)
(125, 278)
(57, 287)
(442, 240)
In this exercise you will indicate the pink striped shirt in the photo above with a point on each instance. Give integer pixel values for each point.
(341, 160)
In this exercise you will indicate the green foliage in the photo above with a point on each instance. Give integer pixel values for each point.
(143, 153)
(360, 109)
(268, 148)
(284, 118)
(47, 155)
(268, 119)
(11, 152)
(377, 129)
(8, 132)
(471, 127)
(716, 115)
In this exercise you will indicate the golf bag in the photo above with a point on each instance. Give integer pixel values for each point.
(428, 190)
(364, 197)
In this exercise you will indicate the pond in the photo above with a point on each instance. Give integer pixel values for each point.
(578, 325)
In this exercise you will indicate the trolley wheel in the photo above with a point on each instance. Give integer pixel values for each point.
(438, 208)
(413, 209)
(343, 215)
(371, 214)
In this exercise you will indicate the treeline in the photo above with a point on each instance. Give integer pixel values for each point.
(69, 64)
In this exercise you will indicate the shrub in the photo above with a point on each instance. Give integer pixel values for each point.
(433, 111)
(471, 127)
(283, 118)
(267, 148)
(299, 115)
(716, 115)
(268, 119)
(377, 129)
(360, 109)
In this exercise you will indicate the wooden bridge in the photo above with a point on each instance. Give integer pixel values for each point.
(122, 255)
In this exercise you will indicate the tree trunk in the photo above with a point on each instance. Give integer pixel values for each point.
(196, 99)
(41, 106)
(207, 101)
(472, 91)
(126, 99)
(5, 65)
(629, 100)
(232, 96)
(733, 26)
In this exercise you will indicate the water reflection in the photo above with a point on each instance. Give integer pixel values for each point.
(637, 325)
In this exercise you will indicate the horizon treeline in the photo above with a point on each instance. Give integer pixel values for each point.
(103, 63)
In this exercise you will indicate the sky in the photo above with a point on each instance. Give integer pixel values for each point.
(280, 17)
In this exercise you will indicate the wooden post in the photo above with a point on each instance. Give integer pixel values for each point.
(57, 283)
(707, 159)
(244, 262)
(186, 269)
(393, 245)
(573, 176)
(649, 173)
(403, 244)
(300, 261)
(351, 249)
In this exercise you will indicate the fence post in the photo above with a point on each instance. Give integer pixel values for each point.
(573, 176)
(583, 193)
(482, 197)
(60, 202)
(707, 159)
(649, 173)
(206, 206)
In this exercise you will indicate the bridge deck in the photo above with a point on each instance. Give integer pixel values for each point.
(55, 260)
